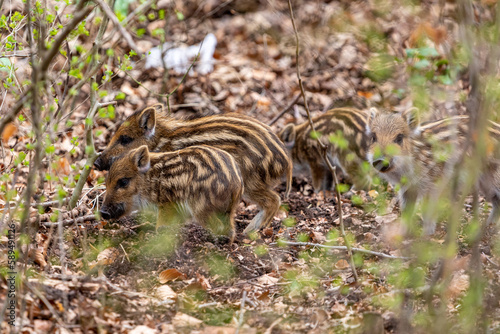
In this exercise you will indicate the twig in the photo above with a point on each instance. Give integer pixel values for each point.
(322, 145)
(109, 13)
(68, 222)
(242, 311)
(50, 203)
(269, 330)
(207, 305)
(80, 14)
(92, 155)
(46, 302)
(496, 265)
(177, 87)
(285, 110)
(126, 255)
(360, 250)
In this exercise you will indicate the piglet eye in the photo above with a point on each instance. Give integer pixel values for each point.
(123, 182)
(399, 139)
(124, 140)
(373, 138)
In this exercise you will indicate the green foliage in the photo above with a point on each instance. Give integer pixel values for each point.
(380, 67)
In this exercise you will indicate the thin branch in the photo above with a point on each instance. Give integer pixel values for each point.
(109, 13)
(67, 222)
(45, 302)
(285, 110)
(242, 311)
(79, 16)
(49, 203)
(90, 147)
(359, 250)
(323, 147)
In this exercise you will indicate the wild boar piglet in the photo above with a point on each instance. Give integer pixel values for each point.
(199, 181)
(419, 159)
(260, 155)
(342, 130)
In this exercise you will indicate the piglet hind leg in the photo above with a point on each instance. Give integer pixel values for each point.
(269, 201)
(495, 210)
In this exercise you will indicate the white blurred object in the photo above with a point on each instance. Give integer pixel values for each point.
(180, 58)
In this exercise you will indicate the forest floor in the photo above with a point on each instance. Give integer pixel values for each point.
(125, 277)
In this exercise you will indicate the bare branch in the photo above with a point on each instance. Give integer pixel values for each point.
(360, 250)
(67, 222)
(322, 145)
(109, 13)
(285, 110)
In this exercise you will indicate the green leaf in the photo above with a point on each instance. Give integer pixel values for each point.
(445, 79)
(380, 68)
(180, 16)
(428, 52)
(120, 96)
(422, 64)
(315, 135)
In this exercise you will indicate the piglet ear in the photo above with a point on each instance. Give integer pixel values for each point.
(373, 112)
(147, 121)
(411, 116)
(288, 135)
(140, 158)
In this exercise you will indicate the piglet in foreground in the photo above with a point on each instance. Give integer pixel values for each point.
(199, 181)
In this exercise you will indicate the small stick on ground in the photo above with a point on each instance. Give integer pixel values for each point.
(285, 110)
(323, 147)
(360, 250)
(50, 203)
(68, 222)
(242, 311)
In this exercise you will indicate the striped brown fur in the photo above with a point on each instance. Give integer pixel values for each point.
(201, 181)
(305, 150)
(423, 155)
(260, 155)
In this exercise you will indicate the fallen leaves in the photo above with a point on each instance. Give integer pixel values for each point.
(184, 320)
(106, 257)
(166, 294)
(9, 131)
(171, 275)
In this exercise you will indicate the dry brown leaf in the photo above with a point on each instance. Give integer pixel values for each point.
(205, 284)
(143, 330)
(342, 264)
(184, 320)
(425, 29)
(366, 95)
(42, 326)
(62, 166)
(218, 330)
(171, 275)
(459, 283)
(9, 130)
(37, 256)
(267, 280)
(386, 219)
(105, 257)
(165, 293)
(338, 308)
(318, 237)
